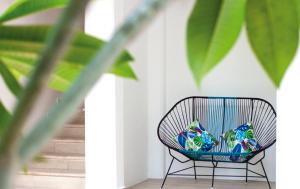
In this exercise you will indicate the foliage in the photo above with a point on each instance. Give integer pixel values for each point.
(23, 7)
(272, 29)
(20, 52)
(20, 46)
(213, 27)
(273, 32)
(4, 117)
(10, 80)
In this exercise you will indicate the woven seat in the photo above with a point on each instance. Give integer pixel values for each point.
(218, 115)
(215, 156)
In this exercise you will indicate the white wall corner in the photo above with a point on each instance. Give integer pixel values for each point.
(156, 54)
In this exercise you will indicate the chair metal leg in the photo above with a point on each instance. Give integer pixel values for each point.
(262, 165)
(167, 173)
(247, 171)
(213, 178)
(195, 173)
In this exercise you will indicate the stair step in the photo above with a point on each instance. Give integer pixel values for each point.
(75, 131)
(41, 180)
(54, 173)
(59, 164)
(78, 118)
(75, 125)
(64, 164)
(73, 147)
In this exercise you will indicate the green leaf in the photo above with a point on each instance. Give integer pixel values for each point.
(297, 2)
(39, 158)
(124, 70)
(20, 47)
(25, 169)
(25, 7)
(4, 118)
(213, 27)
(273, 32)
(10, 80)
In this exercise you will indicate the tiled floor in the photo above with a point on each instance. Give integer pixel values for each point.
(184, 183)
(187, 183)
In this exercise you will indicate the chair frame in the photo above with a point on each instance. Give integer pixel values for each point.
(215, 163)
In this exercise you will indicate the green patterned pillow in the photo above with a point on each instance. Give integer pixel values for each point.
(241, 140)
(196, 138)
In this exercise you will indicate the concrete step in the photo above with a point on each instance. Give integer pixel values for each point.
(75, 125)
(74, 131)
(37, 179)
(68, 147)
(59, 164)
(78, 118)
(54, 173)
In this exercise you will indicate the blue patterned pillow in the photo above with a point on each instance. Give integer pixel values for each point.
(241, 140)
(196, 138)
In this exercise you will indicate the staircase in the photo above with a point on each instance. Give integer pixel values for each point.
(63, 164)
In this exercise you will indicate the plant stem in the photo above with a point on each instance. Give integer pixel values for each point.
(6, 175)
(105, 57)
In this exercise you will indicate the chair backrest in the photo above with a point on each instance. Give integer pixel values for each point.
(218, 115)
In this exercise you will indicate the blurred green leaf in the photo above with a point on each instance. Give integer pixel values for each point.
(297, 3)
(15, 73)
(39, 158)
(10, 80)
(273, 32)
(25, 7)
(25, 169)
(20, 47)
(4, 118)
(213, 27)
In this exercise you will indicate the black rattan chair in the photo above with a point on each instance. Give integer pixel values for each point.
(218, 115)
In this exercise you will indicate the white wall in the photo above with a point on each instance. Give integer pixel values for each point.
(100, 108)
(122, 161)
(128, 126)
(288, 130)
(132, 106)
(156, 98)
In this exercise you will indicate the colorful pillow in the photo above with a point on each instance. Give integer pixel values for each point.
(196, 138)
(241, 140)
